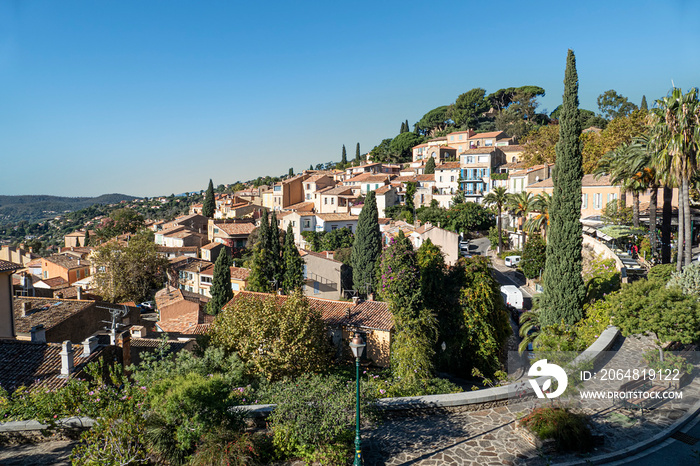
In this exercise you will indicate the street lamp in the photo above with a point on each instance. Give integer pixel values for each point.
(357, 346)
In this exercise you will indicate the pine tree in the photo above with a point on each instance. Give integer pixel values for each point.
(564, 291)
(293, 277)
(276, 266)
(86, 241)
(408, 128)
(367, 246)
(644, 105)
(221, 292)
(209, 203)
(311, 167)
(291, 172)
(430, 166)
(403, 128)
(344, 157)
(357, 153)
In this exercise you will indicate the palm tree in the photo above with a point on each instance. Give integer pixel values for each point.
(497, 198)
(615, 163)
(529, 328)
(539, 222)
(521, 204)
(676, 138)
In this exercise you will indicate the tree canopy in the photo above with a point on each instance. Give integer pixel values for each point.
(613, 105)
(209, 206)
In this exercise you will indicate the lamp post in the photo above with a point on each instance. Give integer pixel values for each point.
(357, 346)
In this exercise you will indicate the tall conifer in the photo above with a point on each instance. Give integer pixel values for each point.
(221, 292)
(293, 277)
(261, 271)
(357, 152)
(344, 157)
(367, 246)
(276, 265)
(644, 105)
(430, 166)
(209, 206)
(564, 291)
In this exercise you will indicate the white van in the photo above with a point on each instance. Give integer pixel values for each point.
(512, 261)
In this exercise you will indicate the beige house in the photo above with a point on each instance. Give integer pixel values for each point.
(77, 238)
(7, 325)
(367, 182)
(520, 180)
(288, 192)
(322, 275)
(232, 232)
(316, 183)
(386, 196)
(333, 200)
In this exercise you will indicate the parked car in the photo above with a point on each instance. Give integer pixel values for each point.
(512, 261)
(147, 306)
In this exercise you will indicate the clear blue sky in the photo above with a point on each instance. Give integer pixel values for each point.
(156, 97)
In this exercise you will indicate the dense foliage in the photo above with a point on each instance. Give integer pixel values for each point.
(275, 337)
(221, 292)
(534, 256)
(366, 247)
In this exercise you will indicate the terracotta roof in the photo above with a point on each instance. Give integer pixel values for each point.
(176, 249)
(337, 190)
(48, 312)
(315, 178)
(491, 134)
(243, 228)
(38, 365)
(211, 245)
(480, 150)
(55, 282)
(383, 189)
(33, 263)
(588, 180)
(511, 148)
(172, 230)
(195, 265)
(443, 138)
(186, 323)
(239, 273)
(447, 166)
(369, 178)
(406, 179)
(336, 217)
(366, 314)
(6, 266)
(469, 131)
(175, 345)
(306, 252)
(301, 207)
(67, 262)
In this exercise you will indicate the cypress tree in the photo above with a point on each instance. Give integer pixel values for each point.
(403, 128)
(86, 241)
(644, 105)
(276, 266)
(367, 246)
(564, 290)
(430, 166)
(357, 152)
(291, 171)
(209, 203)
(261, 271)
(344, 157)
(311, 167)
(293, 277)
(408, 128)
(221, 292)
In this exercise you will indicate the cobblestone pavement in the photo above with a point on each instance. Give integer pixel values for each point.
(37, 454)
(492, 436)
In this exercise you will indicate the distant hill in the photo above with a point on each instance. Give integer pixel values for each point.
(38, 208)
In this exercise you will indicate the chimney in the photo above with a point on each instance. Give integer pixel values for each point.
(138, 331)
(89, 346)
(25, 307)
(356, 300)
(279, 292)
(124, 343)
(38, 333)
(78, 261)
(66, 359)
(370, 297)
(79, 291)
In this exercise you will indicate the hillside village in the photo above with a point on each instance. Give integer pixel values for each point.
(438, 217)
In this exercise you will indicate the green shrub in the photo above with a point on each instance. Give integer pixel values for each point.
(597, 319)
(671, 362)
(601, 278)
(661, 272)
(569, 430)
(314, 418)
(116, 438)
(493, 238)
(687, 280)
(534, 256)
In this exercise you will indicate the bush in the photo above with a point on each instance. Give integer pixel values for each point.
(601, 278)
(314, 418)
(671, 362)
(569, 430)
(493, 238)
(588, 329)
(661, 272)
(687, 280)
(534, 256)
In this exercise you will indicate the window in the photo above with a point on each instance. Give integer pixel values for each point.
(483, 159)
(461, 136)
(307, 224)
(597, 201)
(308, 196)
(308, 186)
(325, 201)
(452, 138)
(452, 178)
(349, 226)
(441, 179)
(204, 280)
(488, 142)
(294, 223)
(235, 286)
(334, 227)
(216, 230)
(332, 200)
(316, 291)
(77, 274)
(584, 202)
